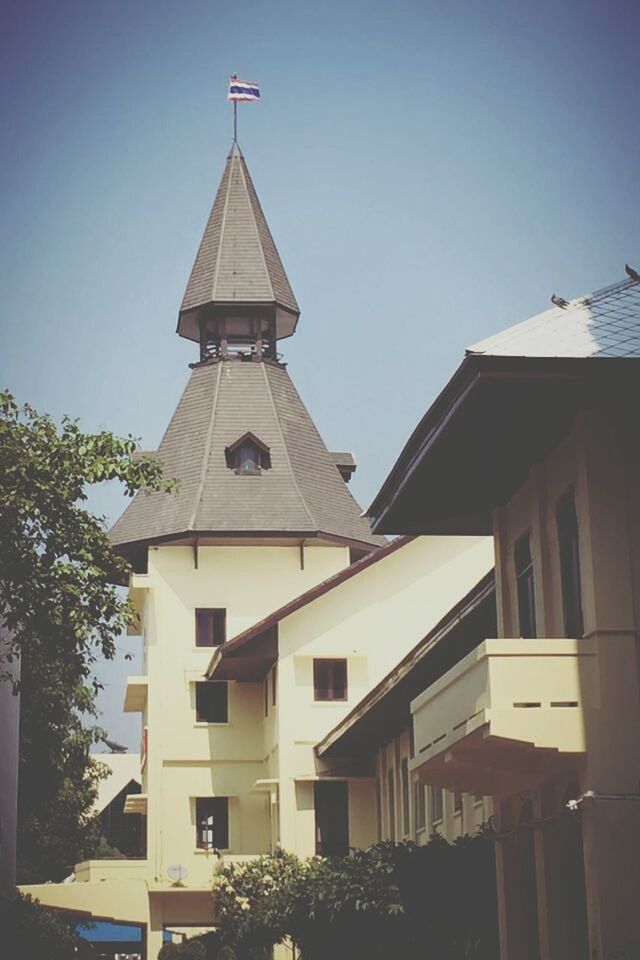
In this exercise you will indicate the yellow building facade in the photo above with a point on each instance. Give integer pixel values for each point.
(544, 717)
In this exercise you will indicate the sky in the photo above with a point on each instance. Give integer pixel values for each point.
(431, 171)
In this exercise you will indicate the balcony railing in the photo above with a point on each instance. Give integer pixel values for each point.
(507, 712)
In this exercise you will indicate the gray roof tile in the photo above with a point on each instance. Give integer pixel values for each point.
(237, 261)
(301, 493)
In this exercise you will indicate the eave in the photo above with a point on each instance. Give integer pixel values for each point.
(385, 712)
(474, 447)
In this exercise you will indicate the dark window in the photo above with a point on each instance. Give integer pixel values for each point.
(568, 541)
(419, 806)
(526, 592)
(404, 771)
(211, 627)
(266, 696)
(212, 702)
(274, 680)
(332, 818)
(248, 456)
(391, 801)
(457, 803)
(436, 804)
(330, 679)
(212, 823)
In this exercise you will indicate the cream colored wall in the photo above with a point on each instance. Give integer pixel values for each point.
(372, 620)
(600, 459)
(186, 758)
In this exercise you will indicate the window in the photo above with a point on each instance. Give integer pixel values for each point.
(212, 702)
(266, 696)
(248, 456)
(274, 680)
(419, 806)
(391, 802)
(435, 804)
(524, 582)
(211, 627)
(330, 679)
(568, 542)
(212, 823)
(404, 778)
(457, 803)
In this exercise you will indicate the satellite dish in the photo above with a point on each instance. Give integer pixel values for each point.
(177, 872)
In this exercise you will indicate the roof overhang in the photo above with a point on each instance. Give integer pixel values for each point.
(474, 447)
(248, 661)
(189, 320)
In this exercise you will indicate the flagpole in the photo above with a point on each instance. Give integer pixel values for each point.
(235, 121)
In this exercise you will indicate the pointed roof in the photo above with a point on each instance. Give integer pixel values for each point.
(237, 262)
(300, 495)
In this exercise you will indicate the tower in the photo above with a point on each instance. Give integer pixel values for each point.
(261, 516)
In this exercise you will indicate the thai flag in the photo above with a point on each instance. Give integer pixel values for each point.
(243, 90)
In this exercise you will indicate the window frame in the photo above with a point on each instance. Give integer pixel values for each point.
(216, 626)
(200, 686)
(319, 691)
(419, 806)
(406, 797)
(433, 793)
(525, 586)
(568, 531)
(200, 815)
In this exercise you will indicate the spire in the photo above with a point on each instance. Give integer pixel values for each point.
(238, 293)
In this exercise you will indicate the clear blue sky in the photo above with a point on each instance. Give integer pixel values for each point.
(432, 172)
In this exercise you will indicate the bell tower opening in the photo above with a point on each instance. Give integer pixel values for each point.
(246, 334)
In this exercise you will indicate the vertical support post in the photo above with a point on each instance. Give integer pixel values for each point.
(235, 121)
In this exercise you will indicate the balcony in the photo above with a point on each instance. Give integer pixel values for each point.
(135, 697)
(507, 715)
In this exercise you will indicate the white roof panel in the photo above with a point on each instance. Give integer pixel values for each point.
(604, 324)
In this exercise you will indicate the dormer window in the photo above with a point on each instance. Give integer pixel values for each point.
(248, 456)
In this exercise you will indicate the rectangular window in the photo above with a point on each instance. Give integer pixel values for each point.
(404, 775)
(419, 805)
(211, 627)
(436, 805)
(457, 803)
(391, 802)
(274, 681)
(212, 823)
(266, 696)
(568, 541)
(525, 586)
(330, 679)
(212, 702)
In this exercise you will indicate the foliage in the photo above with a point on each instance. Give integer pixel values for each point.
(60, 609)
(191, 949)
(37, 933)
(434, 901)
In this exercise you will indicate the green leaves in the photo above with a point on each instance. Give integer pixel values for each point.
(433, 902)
(60, 609)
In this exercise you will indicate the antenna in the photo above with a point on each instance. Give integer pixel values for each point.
(177, 872)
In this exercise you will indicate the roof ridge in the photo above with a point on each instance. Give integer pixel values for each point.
(285, 448)
(223, 227)
(245, 170)
(206, 454)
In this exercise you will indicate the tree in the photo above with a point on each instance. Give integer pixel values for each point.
(32, 932)
(432, 902)
(60, 609)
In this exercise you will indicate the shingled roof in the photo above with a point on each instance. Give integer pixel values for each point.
(237, 261)
(301, 494)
